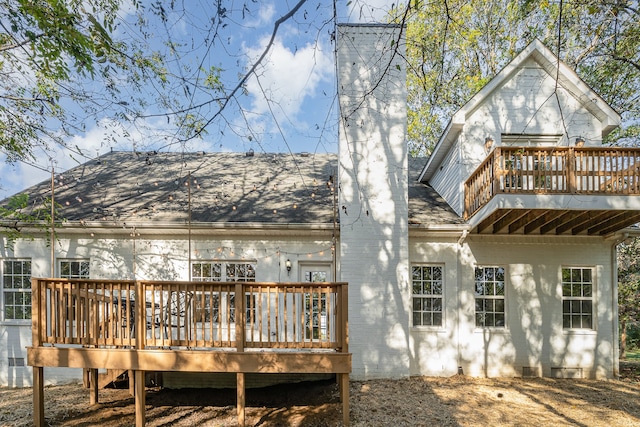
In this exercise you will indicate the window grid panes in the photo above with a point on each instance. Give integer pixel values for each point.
(427, 284)
(315, 306)
(233, 272)
(489, 293)
(16, 280)
(241, 272)
(74, 269)
(577, 298)
(206, 272)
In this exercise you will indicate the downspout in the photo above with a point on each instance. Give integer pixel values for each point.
(461, 241)
(53, 222)
(189, 226)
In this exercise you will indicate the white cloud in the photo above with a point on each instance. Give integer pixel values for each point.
(18, 176)
(287, 77)
(266, 14)
(96, 141)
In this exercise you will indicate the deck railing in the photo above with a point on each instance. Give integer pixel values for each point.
(193, 315)
(553, 170)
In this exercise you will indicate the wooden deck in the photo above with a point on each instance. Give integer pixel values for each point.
(188, 327)
(551, 172)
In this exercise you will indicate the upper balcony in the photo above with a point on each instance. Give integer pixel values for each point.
(554, 190)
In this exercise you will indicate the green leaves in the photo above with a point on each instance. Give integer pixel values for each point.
(45, 48)
(212, 79)
(454, 48)
(20, 213)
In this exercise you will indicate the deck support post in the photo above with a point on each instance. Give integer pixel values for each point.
(93, 386)
(131, 381)
(38, 396)
(344, 397)
(140, 397)
(241, 398)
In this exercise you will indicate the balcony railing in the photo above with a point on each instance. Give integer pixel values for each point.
(143, 326)
(553, 170)
(193, 315)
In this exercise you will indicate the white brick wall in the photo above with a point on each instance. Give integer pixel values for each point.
(373, 198)
(533, 336)
(161, 257)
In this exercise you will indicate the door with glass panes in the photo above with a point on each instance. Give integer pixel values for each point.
(318, 306)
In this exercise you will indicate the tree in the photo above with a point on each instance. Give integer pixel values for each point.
(68, 65)
(45, 48)
(628, 288)
(454, 47)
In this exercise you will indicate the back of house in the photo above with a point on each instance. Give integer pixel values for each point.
(496, 256)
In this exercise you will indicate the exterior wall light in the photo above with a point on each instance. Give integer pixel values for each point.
(287, 264)
(579, 141)
(488, 144)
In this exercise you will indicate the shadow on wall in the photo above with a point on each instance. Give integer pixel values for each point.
(373, 201)
(16, 359)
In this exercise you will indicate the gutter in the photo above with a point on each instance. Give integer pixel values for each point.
(124, 227)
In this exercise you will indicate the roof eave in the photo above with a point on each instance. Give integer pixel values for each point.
(180, 228)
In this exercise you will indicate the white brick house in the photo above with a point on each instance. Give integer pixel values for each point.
(494, 257)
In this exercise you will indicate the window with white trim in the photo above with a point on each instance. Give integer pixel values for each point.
(427, 284)
(217, 271)
(489, 293)
(16, 283)
(74, 269)
(577, 298)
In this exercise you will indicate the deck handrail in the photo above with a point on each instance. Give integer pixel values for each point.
(194, 315)
(553, 170)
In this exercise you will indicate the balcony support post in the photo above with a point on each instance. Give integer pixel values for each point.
(240, 386)
(37, 326)
(140, 329)
(38, 396)
(93, 386)
(240, 316)
(497, 173)
(140, 398)
(571, 171)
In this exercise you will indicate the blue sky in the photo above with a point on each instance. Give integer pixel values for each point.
(299, 79)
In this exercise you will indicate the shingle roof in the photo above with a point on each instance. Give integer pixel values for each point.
(425, 204)
(226, 187)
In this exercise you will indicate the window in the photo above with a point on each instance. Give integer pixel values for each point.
(530, 140)
(16, 280)
(74, 269)
(489, 296)
(212, 271)
(577, 298)
(241, 272)
(427, 281)
(206, 272)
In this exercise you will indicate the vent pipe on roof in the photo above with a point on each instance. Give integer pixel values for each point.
(249, 153)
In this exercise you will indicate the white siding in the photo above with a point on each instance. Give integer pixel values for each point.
(529, 102)
(447, 181)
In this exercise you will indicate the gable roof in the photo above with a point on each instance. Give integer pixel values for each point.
(150, 188)
(226, 187)
(567, 78)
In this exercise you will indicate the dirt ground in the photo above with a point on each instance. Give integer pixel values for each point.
(418, 401)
